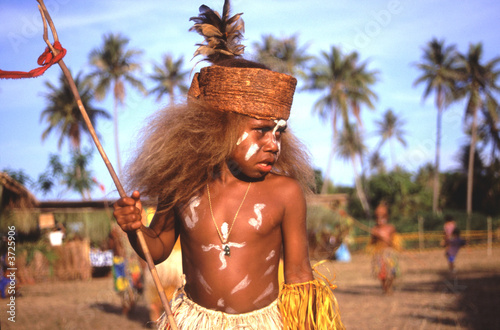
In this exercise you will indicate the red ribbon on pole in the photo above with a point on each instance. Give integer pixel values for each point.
(46, 60)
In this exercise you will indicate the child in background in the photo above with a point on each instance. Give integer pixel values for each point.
(452, 246)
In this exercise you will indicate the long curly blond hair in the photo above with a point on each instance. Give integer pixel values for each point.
(185, 147)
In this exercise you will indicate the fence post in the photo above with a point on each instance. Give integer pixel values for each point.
(490, 236)
(420, 233)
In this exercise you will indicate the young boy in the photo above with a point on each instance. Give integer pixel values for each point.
(230, 184)
(452, 246)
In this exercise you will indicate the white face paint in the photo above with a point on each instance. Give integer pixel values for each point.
(242, 138)
(264, 294)
(251, 151)
(240, 286)
(193, 219)
(257, 222)
(271, 254)
(220, 248)
(269, 270)
(279, 124)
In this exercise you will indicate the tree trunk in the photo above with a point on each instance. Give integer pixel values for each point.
(359, 188)
(470, 174)
(117, 144)
(330, 158)
(435, 196)
(324, 187)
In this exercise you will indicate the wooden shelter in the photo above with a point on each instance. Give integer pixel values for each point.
(15, 203)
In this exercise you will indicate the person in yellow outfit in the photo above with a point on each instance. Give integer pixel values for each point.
(384, 246)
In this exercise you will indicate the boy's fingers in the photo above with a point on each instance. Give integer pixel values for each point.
(125, 201)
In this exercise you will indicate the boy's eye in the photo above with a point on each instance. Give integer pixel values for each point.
(263, 130)
(281, 130)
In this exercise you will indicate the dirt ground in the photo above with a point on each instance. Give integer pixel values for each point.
(426, 296)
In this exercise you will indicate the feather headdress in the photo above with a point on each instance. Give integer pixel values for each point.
(222, 34)
(232, 83)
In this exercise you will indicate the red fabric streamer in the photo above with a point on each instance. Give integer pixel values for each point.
(46, 60)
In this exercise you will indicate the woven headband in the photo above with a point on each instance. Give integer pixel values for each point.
(259, 93)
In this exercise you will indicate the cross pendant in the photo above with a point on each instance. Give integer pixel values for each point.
(227, 251)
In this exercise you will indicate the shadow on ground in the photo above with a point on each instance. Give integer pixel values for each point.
(477, 296)
(139, 314)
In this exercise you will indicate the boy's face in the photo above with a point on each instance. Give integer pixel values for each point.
(258, 147)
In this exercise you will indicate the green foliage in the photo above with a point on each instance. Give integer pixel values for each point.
(41, 246)
(318, 179)
(25, 221)
(62, 114)
(74, 176)
(398, 189)
(19, 175)
(323, 220)
(94, 225)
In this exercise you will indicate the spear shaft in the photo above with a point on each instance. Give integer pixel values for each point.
(140, 235)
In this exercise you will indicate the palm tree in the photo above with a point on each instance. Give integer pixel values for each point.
(376, 163)
(477, 83)
(490, 131)
(351, 147)
(437, 66)
(74, 176)
(169, 77)
(114, 66)
(346, 86)
(282, 55)
(63, 115)
(77, 176)
(389, 128)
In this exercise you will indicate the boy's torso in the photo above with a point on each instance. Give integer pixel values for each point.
(245, 278)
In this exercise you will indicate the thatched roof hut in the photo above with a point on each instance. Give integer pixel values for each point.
(16, 203)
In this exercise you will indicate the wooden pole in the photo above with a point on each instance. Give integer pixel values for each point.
(420, 233)
(46, 19)
(490, 237)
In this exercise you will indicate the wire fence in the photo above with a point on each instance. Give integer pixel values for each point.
(433, 240)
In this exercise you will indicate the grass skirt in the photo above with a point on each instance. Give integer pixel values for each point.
(188, 315)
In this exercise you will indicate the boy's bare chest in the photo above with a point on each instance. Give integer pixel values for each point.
(226, 221)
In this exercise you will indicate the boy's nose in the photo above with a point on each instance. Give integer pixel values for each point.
(272, 143)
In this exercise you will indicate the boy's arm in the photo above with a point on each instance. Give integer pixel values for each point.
(305, 303)
(297, 267)
(160, 236)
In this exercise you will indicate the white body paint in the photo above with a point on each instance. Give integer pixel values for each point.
(224, 229)
(257, 222)
(266, 292)
(230, 310)
(240, 286)
(220, 248)
(271, 254)
(242, 138)
(203, 282)
(251, 151)
(193, 219)
(220, 302)
(269, 270)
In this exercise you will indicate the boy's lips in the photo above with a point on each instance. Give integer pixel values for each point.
(266, 165)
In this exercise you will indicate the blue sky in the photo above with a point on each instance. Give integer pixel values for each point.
(388, 34)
